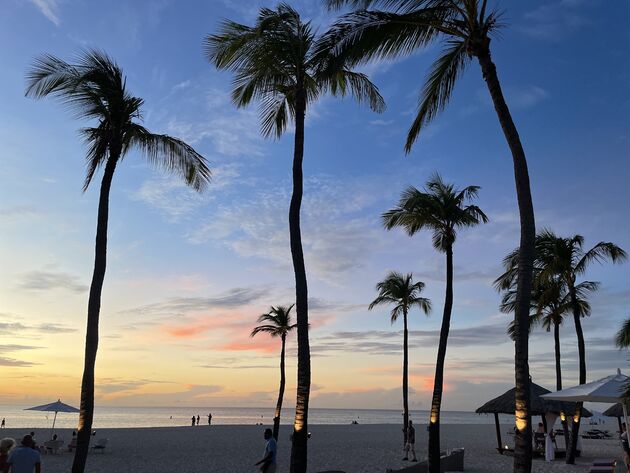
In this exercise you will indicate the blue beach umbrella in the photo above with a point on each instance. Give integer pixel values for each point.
(55, 407)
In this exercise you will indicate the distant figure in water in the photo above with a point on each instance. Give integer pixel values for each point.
(3, 424)
(410, 443)
(209, 418)
(193, 421)
(268, 463)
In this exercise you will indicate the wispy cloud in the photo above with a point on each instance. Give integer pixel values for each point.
(50, 280)
(50, 9)
(554, 20)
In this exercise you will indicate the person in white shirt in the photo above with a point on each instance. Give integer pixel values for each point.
(268, 461)
(25, 459)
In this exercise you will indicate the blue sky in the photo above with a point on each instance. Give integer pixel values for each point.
(189, 273)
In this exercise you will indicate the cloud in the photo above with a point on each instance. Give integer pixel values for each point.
(50, 9)
(554, 20)
(18, 328)
(50, 280)
(380, 122)
(10, 362)
(18, 212)
(233, 298)
(173, 198)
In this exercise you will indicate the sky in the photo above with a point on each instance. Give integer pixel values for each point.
(189, 273)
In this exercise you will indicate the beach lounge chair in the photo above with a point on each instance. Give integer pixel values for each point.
(603, 466)
(453, 461)
(53, 446)
(100, 445)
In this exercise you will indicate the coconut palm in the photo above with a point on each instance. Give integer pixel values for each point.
(277, 323)
(94, 87)
(443, 210)
(564, 260)
(281, 63)
(550, 304)
(465, 29)
(405, 294)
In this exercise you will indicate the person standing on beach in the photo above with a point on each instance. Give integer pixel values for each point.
(193, 421)
(25, 459)
(197, 419)
(210, 418)
(3, 425)
(410, 444)
(271, 451)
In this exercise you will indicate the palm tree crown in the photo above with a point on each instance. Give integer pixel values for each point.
(401, 291)
(440, 208)
(465, 27)
(95, 88)
(277, 59)
(277, 322)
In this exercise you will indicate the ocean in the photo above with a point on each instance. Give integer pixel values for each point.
(112, 417)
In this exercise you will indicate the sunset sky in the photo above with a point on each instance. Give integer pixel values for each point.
(189, 273)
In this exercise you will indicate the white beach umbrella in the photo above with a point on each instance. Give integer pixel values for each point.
(55, 407)
(610, 389)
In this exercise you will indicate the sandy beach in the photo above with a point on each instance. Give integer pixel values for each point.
(350, 448)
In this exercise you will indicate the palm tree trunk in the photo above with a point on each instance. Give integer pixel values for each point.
(276, 418)
(556, 342)
(575, 428)
(86, 410)
(523, 433)
(438, 383)
(300, 425)
(405, 380)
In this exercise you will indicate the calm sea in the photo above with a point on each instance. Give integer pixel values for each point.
(108, 417)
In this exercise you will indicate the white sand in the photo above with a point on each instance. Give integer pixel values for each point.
(351, 448)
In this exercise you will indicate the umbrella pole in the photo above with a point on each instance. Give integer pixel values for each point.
(625, 412)
(619, 422)
(496, 422)
(53, 427)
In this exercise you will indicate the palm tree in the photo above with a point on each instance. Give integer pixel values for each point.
(402, 291)
(281, 63)
(442, 209)
(95, 88)
(277, 324)
(550, 303)
(465, 28)
(564, 260)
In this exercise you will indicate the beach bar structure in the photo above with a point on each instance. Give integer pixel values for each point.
(615, 410)
(506, 404)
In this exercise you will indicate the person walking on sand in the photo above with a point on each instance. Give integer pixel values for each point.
(268, 462)
(197, 419)
(25, 459)
(3, 424)
(209, 418)
(410, 444)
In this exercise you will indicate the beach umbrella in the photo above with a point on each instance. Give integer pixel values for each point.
(55, 407)
(610, 389)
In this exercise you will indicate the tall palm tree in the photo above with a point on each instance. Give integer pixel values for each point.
(277, 323)
(443, 210)
(405, 294)
(565, 260)
(550, 304)
(281, 63)
(95, 88)
(465, 28)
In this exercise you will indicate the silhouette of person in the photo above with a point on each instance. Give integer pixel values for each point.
(193, 421)
(197, 419)
(209, 418)
(3, 425)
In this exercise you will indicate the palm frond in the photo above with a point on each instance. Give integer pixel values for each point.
(622, 338)
(172, 155)
(600, 253)
(438, 87)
